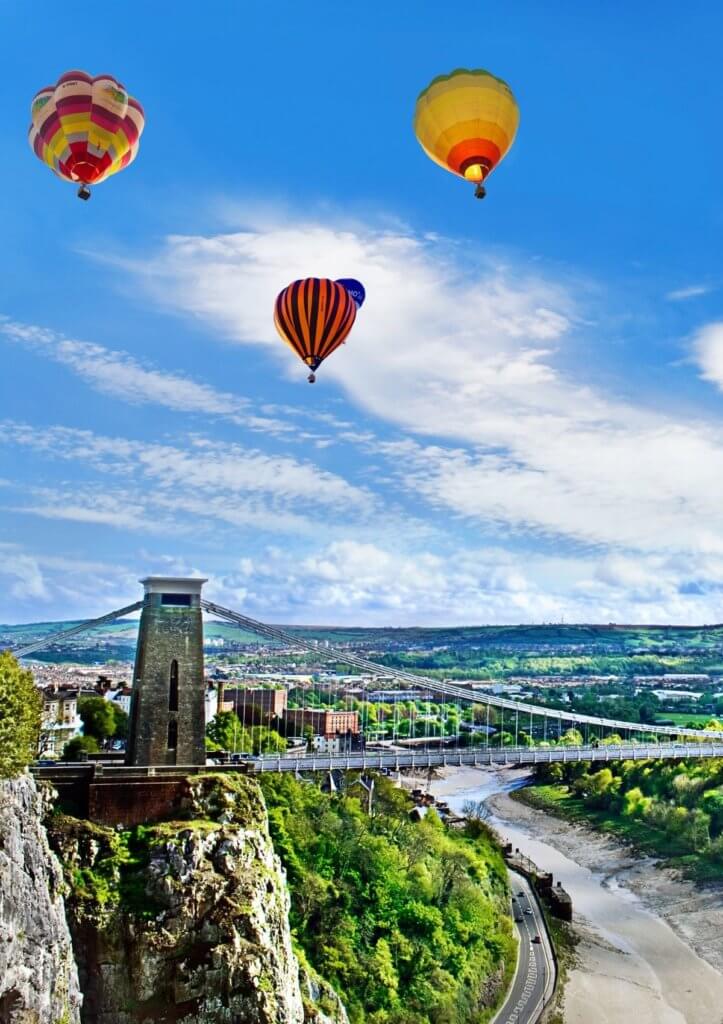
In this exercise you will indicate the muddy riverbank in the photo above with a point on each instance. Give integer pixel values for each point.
(650, 943)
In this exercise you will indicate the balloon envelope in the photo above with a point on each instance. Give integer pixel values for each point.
(466, 122)
(355, 288)
(85, 129)
(314, 316)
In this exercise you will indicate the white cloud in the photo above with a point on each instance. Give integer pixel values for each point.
(708, 352)
(350, 582)
(690, 292)
(23, 575)
(475, 366)
(466, 352)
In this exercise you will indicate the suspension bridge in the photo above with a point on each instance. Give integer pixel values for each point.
(521, 733)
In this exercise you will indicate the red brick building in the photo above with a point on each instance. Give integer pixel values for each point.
(326, 723)
(255, 705)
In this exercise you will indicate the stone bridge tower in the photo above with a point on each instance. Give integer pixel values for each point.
(168, 705)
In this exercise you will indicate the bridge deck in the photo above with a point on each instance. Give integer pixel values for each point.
(387, 761)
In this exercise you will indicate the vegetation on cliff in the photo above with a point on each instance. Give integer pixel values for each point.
(20, 710)
(672, 809)
(185, 920)
(408, 921)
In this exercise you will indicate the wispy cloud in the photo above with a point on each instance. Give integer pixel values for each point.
(692, 291)
(120, 375)
(478, 414)
(205, 480)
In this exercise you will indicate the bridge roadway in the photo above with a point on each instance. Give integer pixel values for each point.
(387, 761)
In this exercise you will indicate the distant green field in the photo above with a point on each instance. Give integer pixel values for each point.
(683, 719)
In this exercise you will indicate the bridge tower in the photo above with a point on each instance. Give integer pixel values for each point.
(168, 705)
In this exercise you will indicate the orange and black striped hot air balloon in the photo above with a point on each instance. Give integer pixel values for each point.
(314, 317)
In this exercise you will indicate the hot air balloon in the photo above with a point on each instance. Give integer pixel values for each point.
(314, 316)
(85, 128)
(466, 122)
(355, 288)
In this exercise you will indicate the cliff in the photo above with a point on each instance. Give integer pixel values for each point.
(38, 977)
(187, 921)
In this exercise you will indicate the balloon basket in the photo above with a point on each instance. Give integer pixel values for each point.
(84, 192)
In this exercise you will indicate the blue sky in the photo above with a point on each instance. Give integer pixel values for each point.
(526, 422)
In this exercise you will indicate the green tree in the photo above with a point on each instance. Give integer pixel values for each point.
(266, 741)
(601, 788)
(571, 738)
(80, 745)
(98, 718)
(20, 710)
(122, 722)
(226, 731)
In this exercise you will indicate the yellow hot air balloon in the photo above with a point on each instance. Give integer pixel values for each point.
(466, 122)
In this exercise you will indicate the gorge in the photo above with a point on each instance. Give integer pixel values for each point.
(225, 914)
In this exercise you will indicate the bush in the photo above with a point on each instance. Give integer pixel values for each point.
(21, 706)
(80, 745)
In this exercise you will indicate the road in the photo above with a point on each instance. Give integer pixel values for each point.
(535, 974)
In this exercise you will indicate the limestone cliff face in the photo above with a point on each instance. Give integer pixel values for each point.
(187, 922)
(38, 977)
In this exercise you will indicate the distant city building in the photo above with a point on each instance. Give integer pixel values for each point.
(676, 695)
(397, 696)
(121, 697)
(211, 703)
(255, 705)
(324, 722)
(669, 678)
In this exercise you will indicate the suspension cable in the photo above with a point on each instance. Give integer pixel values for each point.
(436, 686)
(81, 627)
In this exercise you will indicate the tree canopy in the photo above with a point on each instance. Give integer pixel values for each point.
(98, 717)
(21, 706)
(226, 732)
(408, 921)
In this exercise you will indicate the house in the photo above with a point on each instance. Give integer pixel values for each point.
(60, 720)
(121, 696)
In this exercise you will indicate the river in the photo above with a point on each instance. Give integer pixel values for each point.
(650, 945)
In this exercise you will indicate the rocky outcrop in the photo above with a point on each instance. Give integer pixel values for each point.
(38, 977)
(321, 1003)
(187, 922)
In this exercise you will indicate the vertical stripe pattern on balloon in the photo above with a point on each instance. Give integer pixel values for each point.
(314, 317)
